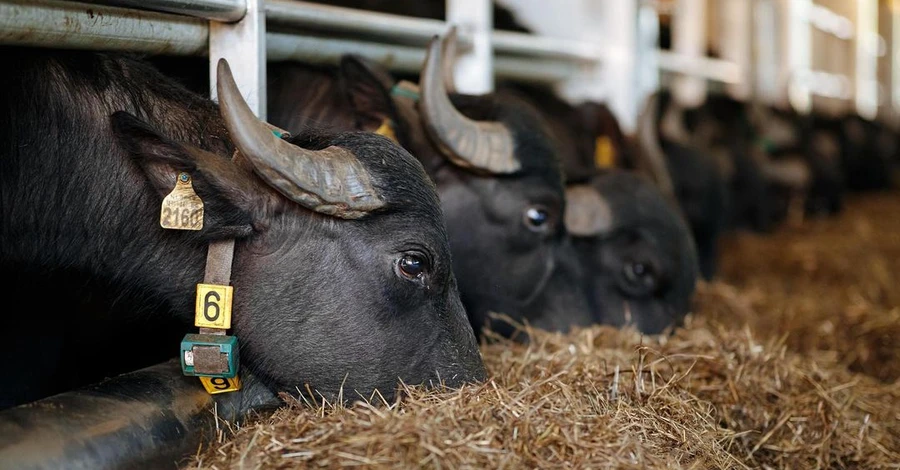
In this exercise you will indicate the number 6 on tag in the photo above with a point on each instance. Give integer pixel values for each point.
(213, 306)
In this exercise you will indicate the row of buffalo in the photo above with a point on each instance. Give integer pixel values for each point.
(375, 242)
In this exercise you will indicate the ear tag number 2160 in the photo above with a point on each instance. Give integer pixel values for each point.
(182, 209)
(213, 309)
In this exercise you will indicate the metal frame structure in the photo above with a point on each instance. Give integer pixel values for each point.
(609, 63)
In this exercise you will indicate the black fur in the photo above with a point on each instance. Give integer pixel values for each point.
(501, 265)
(89, 141)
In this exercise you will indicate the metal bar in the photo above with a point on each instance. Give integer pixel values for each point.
(417, 31)
(50, 23)
(535, 70)
(243, 45)
(396, 28)
(823, 19)
(216, 10)
(866, 66)
(689, 42)
(735, 39)
(405, 59)
(297, 14)
(825, 84)
(318, 50)
(703, 67)
(473, 68)
(507, 42)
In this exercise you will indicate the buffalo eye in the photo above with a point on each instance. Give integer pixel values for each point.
(412, 266)
(537, 218)
(640, 278)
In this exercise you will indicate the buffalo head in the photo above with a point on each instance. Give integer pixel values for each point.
(342, 269)
(638, 252)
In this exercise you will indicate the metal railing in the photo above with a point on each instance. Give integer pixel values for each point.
(303, 31)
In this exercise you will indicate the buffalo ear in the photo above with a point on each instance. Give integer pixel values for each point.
(230, 195)
(367, 86)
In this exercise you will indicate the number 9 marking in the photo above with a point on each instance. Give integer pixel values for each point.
(216, 385)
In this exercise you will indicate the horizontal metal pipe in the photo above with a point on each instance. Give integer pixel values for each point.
(508, 42)
(404, 29)
(405, 59)
(712, 69)
(227, 11)
(534, 70)
(48, 23)
(280, 46)
(416, 31)
(74, 25)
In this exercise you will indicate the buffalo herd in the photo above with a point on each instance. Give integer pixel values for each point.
(392, 224)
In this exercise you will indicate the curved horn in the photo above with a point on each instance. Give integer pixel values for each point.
(484, 146)
(587, 212)
(651, 158)
(449, 59)
(330, 181)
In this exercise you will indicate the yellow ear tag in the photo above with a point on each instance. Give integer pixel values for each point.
(387, 130)
(604, 153)
(182, 209)
(216, 385)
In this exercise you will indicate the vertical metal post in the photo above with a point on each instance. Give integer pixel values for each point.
(243, 44)
(894, 58)
(866, 66)
(474, 71)
(615, 80)
(689, 39)
(734, 38)
(794, 76)
(765, 51)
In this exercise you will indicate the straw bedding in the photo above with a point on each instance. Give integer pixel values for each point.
(790, 361)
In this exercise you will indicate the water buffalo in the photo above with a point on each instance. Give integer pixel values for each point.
(341, 250)
(497, 176)
(696, 178)
(868, 153)
(801, 156)
(638, 255)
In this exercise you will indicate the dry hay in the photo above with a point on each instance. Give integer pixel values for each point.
(787, 365)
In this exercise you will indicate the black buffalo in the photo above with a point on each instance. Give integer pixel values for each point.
(342, 269)
(496, 172)
(695, 177)
(637, 253)
(869, 152)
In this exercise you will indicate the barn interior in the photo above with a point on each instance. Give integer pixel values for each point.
(786, 355)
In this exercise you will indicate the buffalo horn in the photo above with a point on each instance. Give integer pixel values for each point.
(651, 158)
(486, 146)
(330, 181)
(587, 212)
(449, 59)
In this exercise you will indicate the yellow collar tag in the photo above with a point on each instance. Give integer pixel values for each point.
(182, 209)
(387, 130)
(604, 152)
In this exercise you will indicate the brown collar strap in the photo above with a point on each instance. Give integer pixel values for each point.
(211, 354)
(218, 271)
